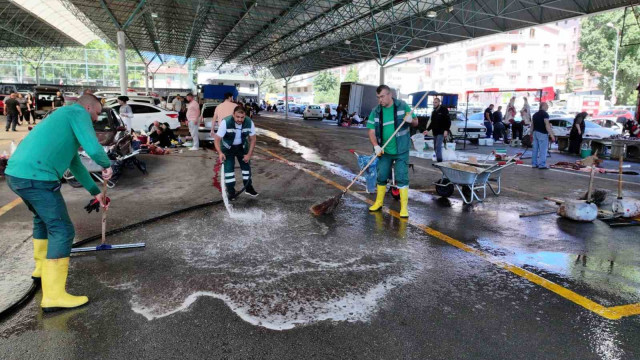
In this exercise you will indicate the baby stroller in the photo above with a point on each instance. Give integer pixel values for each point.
(371, 174)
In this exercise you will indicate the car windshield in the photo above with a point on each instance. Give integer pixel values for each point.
(606, 112)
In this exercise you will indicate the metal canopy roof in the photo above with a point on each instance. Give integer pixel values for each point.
(300, 36)
(20, 28)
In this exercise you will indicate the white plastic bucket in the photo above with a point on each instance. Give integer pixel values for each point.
(482, 142)
(489, 142)
(451, 146)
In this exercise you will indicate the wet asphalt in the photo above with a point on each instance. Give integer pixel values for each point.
(276, 282)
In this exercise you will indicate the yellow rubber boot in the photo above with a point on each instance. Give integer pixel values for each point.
(380, 191)
(54, 282)
(39, 254)
(404, 201)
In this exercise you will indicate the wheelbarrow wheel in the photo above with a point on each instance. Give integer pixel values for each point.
(444, 188)
(395, 192)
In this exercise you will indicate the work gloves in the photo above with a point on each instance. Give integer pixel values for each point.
(94, 204)
(378, 150)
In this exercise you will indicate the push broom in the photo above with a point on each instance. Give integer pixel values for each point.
(95, 205)
(328, 206)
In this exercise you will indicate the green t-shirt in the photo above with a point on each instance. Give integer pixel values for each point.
(52, 147)
(388, 127)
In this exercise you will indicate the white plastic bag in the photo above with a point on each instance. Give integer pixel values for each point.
(449, 154)
(418, 142)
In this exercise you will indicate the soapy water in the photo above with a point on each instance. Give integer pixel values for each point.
(280, 269)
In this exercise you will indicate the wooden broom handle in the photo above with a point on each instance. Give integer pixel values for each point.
(104, 213)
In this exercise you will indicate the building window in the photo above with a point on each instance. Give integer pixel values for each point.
(252, 86)
(544, 78)
(427, 60)
(545, 64)
(514, 48)
(530, 64)
(561, 62)
(514, 64)
(220, 83)
(306, 89)
(237, 85)
(512, 78)
(532, 33)
(546, 48)
(492, 49)
(562, 47)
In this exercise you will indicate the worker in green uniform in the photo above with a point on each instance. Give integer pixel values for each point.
(236, 139)
(383, 121)
(34, 172)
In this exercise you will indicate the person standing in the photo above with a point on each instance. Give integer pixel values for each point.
(58, 101)
(576, 133)
(525, 112)
(498, 125)
(27, 113)
(22, 101)
(541, 133)
(222, 111)
(488, 119)
(389, 115)
(12, 111)
(34, 175)
(125, 112)
(193, 120)
(440, 124)
(177, 103)
(32, 107)
(509, 118)
(236, 139)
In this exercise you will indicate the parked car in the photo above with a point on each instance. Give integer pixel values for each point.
(2, 97)
(313, 112)
(608, 123)
(562, 126)
(44, 98)
(204, 130)
(300, 109)
(145, 114)
(475, 128)
(330, 109)
(615, 114)
(134, 98)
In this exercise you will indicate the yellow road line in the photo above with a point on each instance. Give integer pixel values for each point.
(9, 206)
(612, 313)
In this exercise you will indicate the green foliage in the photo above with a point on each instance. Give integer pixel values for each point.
(331, 96)
(597, 48)
(325, 82)
(352, 75)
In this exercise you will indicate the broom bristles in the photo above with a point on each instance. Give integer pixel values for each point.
(327, 206)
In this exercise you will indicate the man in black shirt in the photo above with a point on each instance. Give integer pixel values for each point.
(440, 124)
(58, 101)
(12, 111)
(541, 132)
(488, 118)
(498, 126)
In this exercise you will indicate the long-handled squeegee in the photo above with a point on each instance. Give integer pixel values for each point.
(103, 245)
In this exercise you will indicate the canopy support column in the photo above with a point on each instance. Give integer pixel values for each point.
(123, 62)
(146, 79)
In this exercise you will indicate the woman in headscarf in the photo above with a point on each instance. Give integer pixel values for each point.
(125, 111)
(576, 134)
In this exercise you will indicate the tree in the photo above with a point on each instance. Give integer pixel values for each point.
(352, 75)
(325, 81)
(597, 47)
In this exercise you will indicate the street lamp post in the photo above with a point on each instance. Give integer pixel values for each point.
(615, 64)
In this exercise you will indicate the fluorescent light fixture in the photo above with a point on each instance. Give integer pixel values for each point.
(432, 14)
(157, 41)
(154, 15)
(54, 13)
(347, 42)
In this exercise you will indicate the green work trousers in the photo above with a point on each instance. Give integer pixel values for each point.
(236, 152)
(400, 162)
(50, 217)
